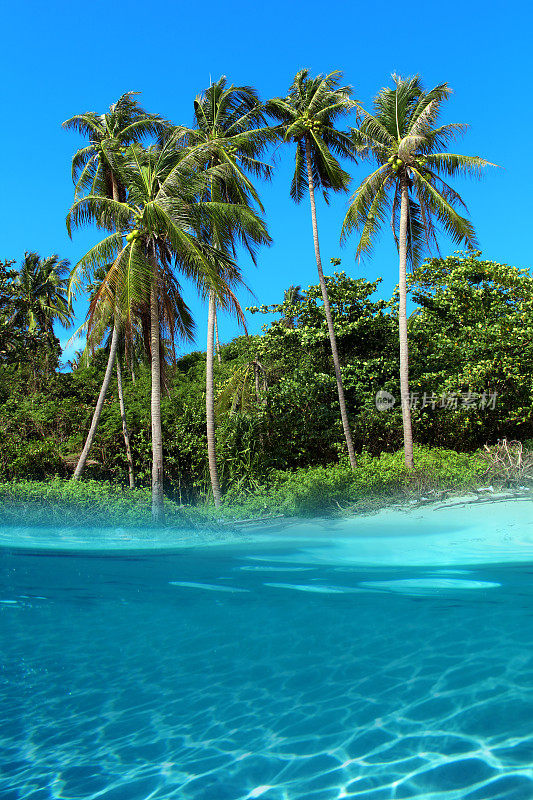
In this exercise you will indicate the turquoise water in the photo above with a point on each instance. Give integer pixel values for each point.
(389, 657)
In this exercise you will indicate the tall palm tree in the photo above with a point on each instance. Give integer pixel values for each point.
(164, 213)
(410, 188)
(229, 121)
(308, 116)
(125, 124)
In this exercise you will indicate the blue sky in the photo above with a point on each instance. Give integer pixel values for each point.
(61, 58)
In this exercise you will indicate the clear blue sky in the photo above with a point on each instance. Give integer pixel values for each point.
(61, 58)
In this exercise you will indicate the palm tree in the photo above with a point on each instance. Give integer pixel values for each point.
(230, 123)
(39, 299)
(217, 340)
(40, 292)
(76, 361)
(410, 188)
(125, 124)
(244, 389)
(308, 116)
(291, 297)
(164, 213)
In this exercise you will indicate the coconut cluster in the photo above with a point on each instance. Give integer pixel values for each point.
(396, 163)
(310, 124)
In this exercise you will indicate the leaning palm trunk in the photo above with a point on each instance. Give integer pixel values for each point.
(333, 342)
(99, 405)
(209, 402)
(402, 316)
(125, 431)
(158, 512)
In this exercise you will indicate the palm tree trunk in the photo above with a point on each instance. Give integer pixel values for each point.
(217, 343)
(158, 511)
(209, 403)
(125, 430)
(331, 331)
(404, 348)
(99, 404)
(129, 364)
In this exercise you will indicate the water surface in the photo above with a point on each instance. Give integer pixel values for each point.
(388, 657)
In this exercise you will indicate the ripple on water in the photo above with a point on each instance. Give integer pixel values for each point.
(427, 585)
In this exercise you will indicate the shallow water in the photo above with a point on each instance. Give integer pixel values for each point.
(389, 657)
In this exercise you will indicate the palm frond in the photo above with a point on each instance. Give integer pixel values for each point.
(454, 164)
(102, 211)
(361, 202)
(299, 178)
(426, 110)
(87, 124)
(457, 227)
(98, 256)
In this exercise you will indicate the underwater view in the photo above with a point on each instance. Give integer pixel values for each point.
(380, 657)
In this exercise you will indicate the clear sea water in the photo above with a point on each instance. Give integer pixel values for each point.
(380, 658)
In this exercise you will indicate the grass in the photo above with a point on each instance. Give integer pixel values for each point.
(89, 503)
(307, 492)
(376, 482)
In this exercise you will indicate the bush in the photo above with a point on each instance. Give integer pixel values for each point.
(305, 492)
(317, 490)
(88, 503)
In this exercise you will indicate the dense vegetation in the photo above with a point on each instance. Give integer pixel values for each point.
(325, 388)
(279, 435)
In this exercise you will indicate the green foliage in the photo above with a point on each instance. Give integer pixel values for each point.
(39, 290)
(470, 332)
(109, 134)
(308, 116)
(88, 503)
(473, 332)
(310, 491)
(407, 147)
(325, 489)
(32, 298)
